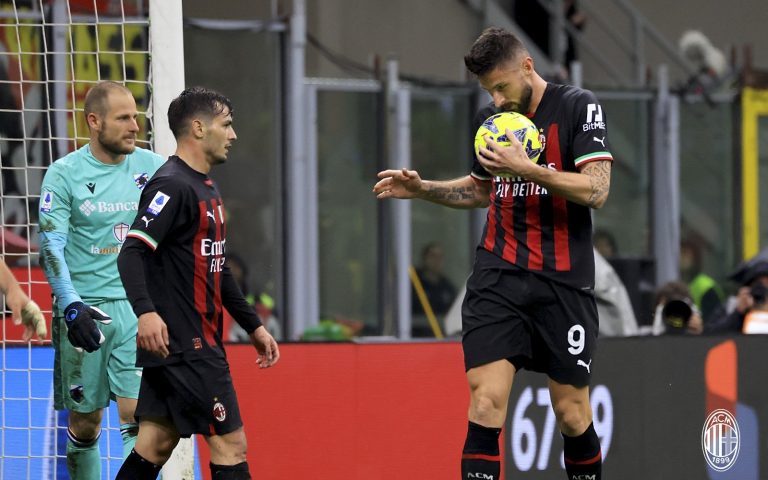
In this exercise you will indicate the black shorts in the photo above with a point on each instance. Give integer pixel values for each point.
(196, 395)
(537, 324)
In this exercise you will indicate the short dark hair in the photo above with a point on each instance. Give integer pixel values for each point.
(493, 47)
(671, 291)
(96, 98)
(192, 102)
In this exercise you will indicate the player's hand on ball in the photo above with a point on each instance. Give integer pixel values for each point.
(34, 322)
(505, 161)
(401, 183)
(269, 352)
(82, 331)
(153, 334)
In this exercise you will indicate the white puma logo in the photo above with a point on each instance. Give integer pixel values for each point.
(210, 214)
(146, 221)
(601, 141)
(585, 365)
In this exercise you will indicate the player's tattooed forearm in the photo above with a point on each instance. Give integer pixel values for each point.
(451, 194)
(600, 181)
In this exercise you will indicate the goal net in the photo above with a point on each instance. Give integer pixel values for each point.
(51, 53)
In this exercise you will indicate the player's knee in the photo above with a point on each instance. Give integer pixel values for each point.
(161, 450)
(127, 417)
(232, 448)
(85, 425)
(239, 449)
(487, 407)
(125, 411)
(573, 417)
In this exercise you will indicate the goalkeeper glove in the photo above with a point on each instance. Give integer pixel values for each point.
(33, 320)
(82, 331)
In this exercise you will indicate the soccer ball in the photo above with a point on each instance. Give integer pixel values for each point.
(521, 126)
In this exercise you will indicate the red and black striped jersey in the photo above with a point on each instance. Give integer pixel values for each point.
(531, 228)
(179, 237)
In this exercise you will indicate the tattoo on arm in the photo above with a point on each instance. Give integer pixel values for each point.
(458, 194)
(600, 181)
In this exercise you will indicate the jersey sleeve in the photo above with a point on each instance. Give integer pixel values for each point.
(55, 200)
(160, 208)
(55, 212)
(478, 172)
(590, 137)
(236, 304)
(130, 264)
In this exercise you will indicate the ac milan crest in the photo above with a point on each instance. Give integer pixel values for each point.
(219, 412)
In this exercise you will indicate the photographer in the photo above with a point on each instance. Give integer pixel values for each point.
(756, 320)
(676, 313)
(753, 278)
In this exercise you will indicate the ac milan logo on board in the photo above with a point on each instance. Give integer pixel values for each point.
(720, 440)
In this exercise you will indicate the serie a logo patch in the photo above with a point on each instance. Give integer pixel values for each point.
(46, 202)
(158, 203)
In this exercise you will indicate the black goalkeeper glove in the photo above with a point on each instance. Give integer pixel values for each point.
(82, 331)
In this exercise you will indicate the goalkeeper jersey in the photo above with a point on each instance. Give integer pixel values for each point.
(93, 204)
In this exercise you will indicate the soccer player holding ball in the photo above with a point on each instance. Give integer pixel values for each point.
(87, 202)
(529, 301)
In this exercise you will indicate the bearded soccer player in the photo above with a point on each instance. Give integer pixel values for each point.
(88, 200)
(529, 301)
(173, 266)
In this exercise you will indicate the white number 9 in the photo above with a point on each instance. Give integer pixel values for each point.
(576, 340)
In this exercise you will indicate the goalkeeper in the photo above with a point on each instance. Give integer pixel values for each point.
(88, 200)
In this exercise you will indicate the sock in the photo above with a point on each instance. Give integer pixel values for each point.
(480, 458)
(83, 457)
(135, 467)
(128, 432)
(230, 472)
(583, 457)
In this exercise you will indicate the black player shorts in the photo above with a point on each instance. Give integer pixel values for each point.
(196, 395)
(537, 324)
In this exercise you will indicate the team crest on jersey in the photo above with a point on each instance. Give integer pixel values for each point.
(141, 179)
(542, 140)
(120, 231)
(158, 203)
(219, 412)
(46, 202)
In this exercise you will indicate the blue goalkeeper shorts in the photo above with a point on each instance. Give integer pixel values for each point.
(85, 382)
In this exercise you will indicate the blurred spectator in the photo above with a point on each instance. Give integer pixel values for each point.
(756, 320)
(705, 292)
(614, 308)
(675, 312)
(605, 243)
(752, 276)
(334, 329)
(264, 304)
(439, 289)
